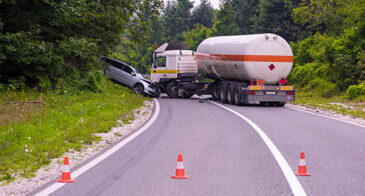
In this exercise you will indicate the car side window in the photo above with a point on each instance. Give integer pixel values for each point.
(160, 62)
(129, 70)
(118, 65)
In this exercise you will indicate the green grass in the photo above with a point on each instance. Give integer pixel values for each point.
(32, 134)
(338, 104)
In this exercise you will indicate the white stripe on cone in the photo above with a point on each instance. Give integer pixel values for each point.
(302, 162)
(180, 165)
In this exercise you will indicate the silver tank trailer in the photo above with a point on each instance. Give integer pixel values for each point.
(246, 57)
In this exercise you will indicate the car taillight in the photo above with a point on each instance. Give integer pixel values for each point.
(290, 93)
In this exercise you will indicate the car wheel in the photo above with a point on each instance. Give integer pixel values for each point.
(172, 90)
(138, 89)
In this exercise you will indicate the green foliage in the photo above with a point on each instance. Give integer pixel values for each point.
(355, 91)
(39, 40)
(33, 134)
(194, 37)
(275, 17)
(176, 19)
(322, 88)
(203, 14)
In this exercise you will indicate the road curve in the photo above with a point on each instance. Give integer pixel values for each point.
(223, 155)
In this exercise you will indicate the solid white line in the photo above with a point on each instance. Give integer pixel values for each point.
(294, 183)
(106, 154)
(309, 112)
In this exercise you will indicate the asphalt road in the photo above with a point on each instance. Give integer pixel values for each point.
(224, 155)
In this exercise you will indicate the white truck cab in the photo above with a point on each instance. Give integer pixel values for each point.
(169, 67)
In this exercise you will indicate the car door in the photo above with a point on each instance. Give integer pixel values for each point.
(130, 76)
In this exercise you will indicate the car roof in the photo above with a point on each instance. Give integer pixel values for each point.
(105, 57)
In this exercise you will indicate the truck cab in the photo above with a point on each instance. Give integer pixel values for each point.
(170, 67)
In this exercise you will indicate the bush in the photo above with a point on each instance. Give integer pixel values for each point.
(322, 88)
(355, 91)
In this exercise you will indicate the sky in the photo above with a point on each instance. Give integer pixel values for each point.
(214, 3)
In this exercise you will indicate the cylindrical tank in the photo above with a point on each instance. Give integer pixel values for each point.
(245, 57)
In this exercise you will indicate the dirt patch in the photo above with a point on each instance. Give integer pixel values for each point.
(24, 186)
(332, 114)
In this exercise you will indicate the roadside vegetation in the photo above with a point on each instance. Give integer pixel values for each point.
(53, 95)
(43, 125)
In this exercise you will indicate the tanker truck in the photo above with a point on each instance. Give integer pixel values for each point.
(242, 69)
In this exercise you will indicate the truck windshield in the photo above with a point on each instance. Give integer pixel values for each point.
(160, 62)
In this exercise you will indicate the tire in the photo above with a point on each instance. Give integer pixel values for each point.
(223, 94)
(138, 89)
(230, 94)
(172, 90)
(214, 91)
(236, 96)
(280, 104)
(188, 94)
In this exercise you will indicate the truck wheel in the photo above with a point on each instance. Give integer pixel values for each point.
(223, 94)
(188, 94)
(280, 104)
(230, 94)
(172, 90)
(214, 91)
(236, 96)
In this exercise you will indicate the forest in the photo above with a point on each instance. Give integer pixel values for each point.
(50, 45)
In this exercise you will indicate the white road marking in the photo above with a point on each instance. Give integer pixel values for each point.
(294, 183)
(326, 116)
(105, 155)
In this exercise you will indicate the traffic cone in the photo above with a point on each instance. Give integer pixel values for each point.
(66, 174)
(180, 171)
(302, 169)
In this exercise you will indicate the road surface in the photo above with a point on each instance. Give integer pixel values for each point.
(224, 155)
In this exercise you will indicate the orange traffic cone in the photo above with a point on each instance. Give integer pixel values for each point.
(180, 171)
(66, 174)
(302, 169)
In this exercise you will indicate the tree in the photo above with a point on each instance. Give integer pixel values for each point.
(226, 23)
(40, 39)
(203, 14)
(176, 19)
(274, 16)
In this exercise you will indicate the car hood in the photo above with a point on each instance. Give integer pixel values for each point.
(139, 76)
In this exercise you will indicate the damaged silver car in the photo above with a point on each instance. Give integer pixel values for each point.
(128, 76)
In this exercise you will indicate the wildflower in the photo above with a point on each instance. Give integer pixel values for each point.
(81, 120)
(29, 138)
(26, 150)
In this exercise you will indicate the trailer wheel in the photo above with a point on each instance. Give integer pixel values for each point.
(236, 96)
(214, 91)
(223, 94)
(172, 90)
(230, 94)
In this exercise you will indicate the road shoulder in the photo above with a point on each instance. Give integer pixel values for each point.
(328, 113)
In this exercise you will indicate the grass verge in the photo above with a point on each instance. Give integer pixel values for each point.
(32, 133)
(338, 104)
